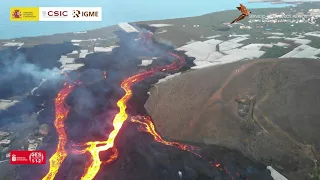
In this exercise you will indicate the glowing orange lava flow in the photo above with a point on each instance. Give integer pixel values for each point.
(61, 111)
(148, 126)
(94, 164)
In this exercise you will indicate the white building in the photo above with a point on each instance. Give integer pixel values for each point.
(5, 141)
(5, 104)
(314, 12)
(104, 49)
(33, 147)
(83, 53)
(127, 27)
(4, 133)
(146, 62)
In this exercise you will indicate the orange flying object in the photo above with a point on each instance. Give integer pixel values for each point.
(244, 14)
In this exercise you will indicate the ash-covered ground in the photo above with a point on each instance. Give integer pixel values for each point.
(93, 106)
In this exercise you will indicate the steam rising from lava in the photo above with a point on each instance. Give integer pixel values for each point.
(95, 147)
(93, 168)
(14, 63)
(19, 76)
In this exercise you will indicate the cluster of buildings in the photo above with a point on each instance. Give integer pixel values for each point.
(314, 12)
(33, 141)
(310, 17)
(216, 52)
(245, 27)
(6, 139)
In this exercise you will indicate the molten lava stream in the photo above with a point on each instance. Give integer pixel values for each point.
(94, 164)
(61, 113)
(146, 125)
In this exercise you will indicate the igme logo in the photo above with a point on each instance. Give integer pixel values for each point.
(78, 13)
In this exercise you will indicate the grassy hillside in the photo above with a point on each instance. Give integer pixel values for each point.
(212, 24)
(280, 127)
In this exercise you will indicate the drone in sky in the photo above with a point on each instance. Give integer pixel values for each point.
(244, 14)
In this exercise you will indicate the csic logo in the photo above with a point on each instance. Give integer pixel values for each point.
(55, 13)
(78, 13)
(16, 14)
(70, 13)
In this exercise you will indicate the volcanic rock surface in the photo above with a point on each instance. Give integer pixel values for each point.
(279, 126)
(92, 109)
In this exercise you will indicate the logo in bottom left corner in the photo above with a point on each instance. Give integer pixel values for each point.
(28, 157)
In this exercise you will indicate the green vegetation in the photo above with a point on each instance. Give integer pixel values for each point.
(223, 38)
(212, 24)
(275, 52)
(270, 40)
(261, 39)
(315, 42)
(315, 174)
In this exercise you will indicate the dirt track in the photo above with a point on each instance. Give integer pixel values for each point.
(282, 128)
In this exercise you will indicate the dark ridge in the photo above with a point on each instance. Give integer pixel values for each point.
(47, 56)
(147, 27)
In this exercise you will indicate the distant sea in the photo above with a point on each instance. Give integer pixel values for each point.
(111, 16)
